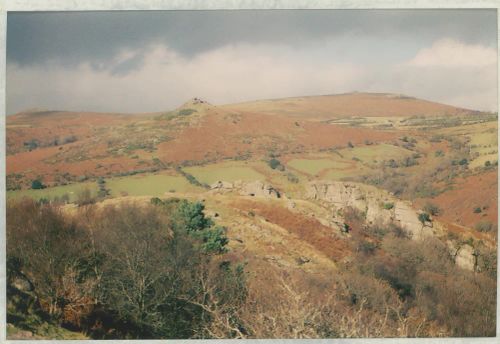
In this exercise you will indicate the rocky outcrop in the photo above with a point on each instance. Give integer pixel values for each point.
(259, 189)
(466, 258)
(464, 255)
(407, 218)
(221, 185)
(376, 204)
(380, 206)
(254, 189)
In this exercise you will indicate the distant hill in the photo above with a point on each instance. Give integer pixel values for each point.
(307, 107)
(45, 142)
(349, 104)
(35, 117)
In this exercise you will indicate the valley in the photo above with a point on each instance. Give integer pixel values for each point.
(351, 208)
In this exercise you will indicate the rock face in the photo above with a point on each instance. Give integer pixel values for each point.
(464, 256)
(407, 218)
(340, 194)
(259, 189)
(378, 205)
(381, 206)
(255, 189)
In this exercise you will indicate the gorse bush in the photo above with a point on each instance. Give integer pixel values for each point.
(214, 240)
(424, 217)
(275, 164)
(431, 208)
(37, 184)
(388, 205)
(292, 178)
(190, 216)
(439, 153)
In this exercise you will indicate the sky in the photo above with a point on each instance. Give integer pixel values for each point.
(149, 61)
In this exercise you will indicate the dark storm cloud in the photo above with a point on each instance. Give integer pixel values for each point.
(70, 38)
(154, 61)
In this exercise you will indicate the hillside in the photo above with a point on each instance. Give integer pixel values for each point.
(388, 202)
(348, 105)
(200, 131)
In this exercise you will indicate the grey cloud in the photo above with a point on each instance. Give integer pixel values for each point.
(74, 37)
(166, 79)
(153, 61)
(130, 64)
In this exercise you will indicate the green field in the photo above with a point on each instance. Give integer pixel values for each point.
(484, 138)
(481, 160)
(484, 143)
(370, 122)
(149, 185)
(72, 190)
(334, 174)
(374, 153)
(315, 166)
(227, 171)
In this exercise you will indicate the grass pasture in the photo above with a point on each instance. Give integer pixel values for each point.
(315, 166)
(484, 143)
(378, 122)
(148, 185)
(331, 167)
(72, 190)
(226, 171)
(336, 174)
(375, 153)
(139, 185)
(481, 160)
(483, 140)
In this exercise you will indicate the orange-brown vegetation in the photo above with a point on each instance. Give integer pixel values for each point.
(469, 193)
(350, 104)
(262, 267)
(103, 140)
(305, 228)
